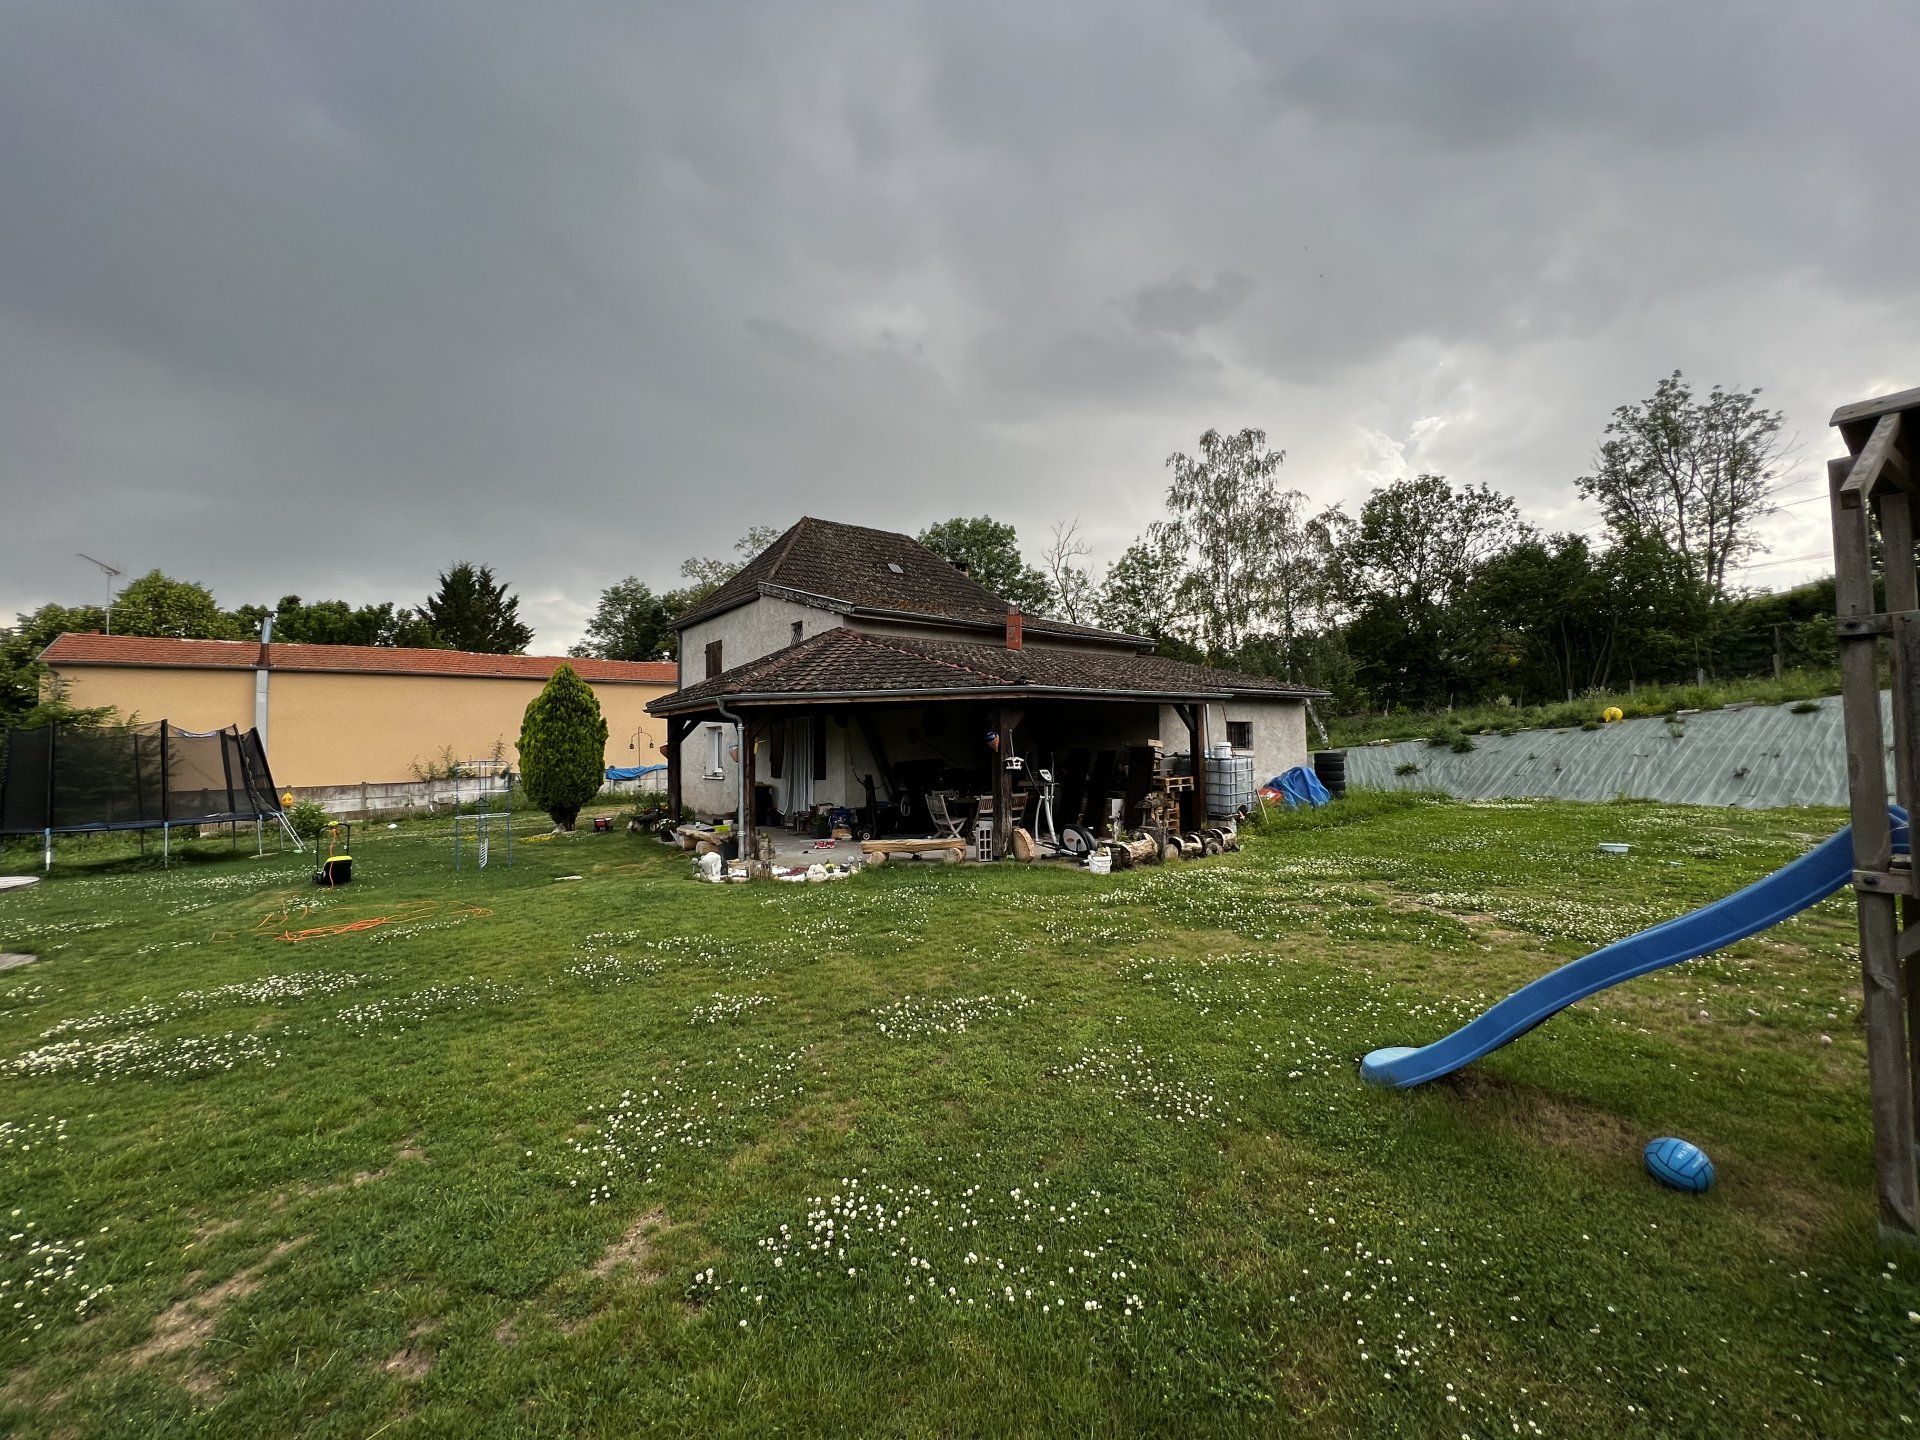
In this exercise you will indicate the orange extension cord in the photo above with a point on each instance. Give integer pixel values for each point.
(416, 910)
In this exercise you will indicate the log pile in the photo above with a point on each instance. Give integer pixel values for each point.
(1154, 846)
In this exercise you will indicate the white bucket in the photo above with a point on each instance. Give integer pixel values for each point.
(1100, 864)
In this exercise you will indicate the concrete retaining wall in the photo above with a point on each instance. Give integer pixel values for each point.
(356, 802)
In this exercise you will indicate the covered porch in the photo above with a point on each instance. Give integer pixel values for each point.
(932, 764)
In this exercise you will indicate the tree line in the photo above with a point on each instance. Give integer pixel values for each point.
(1434, 593)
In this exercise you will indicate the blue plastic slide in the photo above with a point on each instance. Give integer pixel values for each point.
(1826, 868)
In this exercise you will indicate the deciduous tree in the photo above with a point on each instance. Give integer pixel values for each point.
(1244, 553)
(631, 623)
(1069, 580)
(1694, 474)
(990, 549)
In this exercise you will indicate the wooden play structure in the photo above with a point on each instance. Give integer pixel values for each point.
(1874, 496)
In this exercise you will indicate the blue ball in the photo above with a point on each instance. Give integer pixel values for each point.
(1679, 1164)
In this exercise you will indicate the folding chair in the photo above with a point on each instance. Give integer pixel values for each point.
(943, 818)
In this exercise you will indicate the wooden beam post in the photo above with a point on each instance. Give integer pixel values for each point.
(1004, 719)
(677, 729)
(1889, 1070)
(749, 831)
(1197, 742)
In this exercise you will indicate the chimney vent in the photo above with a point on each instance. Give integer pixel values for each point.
(963, 567)
(1016, 627)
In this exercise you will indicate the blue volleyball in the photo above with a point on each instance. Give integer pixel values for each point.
(1679, 1164)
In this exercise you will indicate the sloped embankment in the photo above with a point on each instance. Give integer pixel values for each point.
(1752, 756)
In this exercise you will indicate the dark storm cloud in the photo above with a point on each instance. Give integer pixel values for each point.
(316, 298)
(1181, 305)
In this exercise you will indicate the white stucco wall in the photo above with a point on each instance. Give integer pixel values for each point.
(745, 633)
(1279, 733)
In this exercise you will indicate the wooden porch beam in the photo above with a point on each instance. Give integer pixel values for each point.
(749, 831)
(1197, 742)
(1004, 719)
(677, 730)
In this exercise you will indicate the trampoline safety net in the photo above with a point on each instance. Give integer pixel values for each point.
(131, 777)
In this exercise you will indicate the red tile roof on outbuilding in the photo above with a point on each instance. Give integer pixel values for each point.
(164, 653)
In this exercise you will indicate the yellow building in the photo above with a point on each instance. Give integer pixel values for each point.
(335, 715)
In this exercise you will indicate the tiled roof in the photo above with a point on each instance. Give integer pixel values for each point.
(861, 569)
(843, 662)
(164, 653)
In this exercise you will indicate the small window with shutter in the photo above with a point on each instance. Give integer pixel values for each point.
(714, 664)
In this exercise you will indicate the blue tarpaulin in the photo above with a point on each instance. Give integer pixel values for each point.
(1300, 786)
(632, 772)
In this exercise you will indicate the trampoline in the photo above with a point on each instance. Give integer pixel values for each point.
(71, 779)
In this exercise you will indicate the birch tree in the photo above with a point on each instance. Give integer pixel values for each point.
(1229, 525)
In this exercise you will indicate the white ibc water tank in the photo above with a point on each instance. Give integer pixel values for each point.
(1229, 784)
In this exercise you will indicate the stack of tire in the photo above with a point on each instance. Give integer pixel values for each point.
(1331, 768)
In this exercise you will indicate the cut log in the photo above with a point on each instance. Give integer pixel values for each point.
(1130, 854)
(932, 849)
(1024, 850)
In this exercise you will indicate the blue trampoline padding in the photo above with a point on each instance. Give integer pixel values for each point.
(1822, 871)
(1679, 1164)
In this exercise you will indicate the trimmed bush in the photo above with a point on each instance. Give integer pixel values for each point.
(563, 747)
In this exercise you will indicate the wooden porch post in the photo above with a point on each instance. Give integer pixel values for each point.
(749, 831)
(1004, 719)
(677, 729)
(1196, 718)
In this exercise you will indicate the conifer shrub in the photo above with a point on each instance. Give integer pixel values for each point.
(563, 747)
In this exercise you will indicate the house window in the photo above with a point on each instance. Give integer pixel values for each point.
(716, 749)
(714, 663)
(1240, 734)
(798, 631)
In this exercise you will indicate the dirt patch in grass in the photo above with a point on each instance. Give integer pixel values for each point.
(184, 1327)
(412, 1361)
(634, 1250)
(213, 1230)
(1546, 1119)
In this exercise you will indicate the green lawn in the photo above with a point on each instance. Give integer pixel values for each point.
(939, 1150)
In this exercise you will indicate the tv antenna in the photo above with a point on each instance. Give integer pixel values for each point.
(112, 575)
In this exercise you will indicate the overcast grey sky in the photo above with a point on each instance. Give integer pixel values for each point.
(317, 297)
